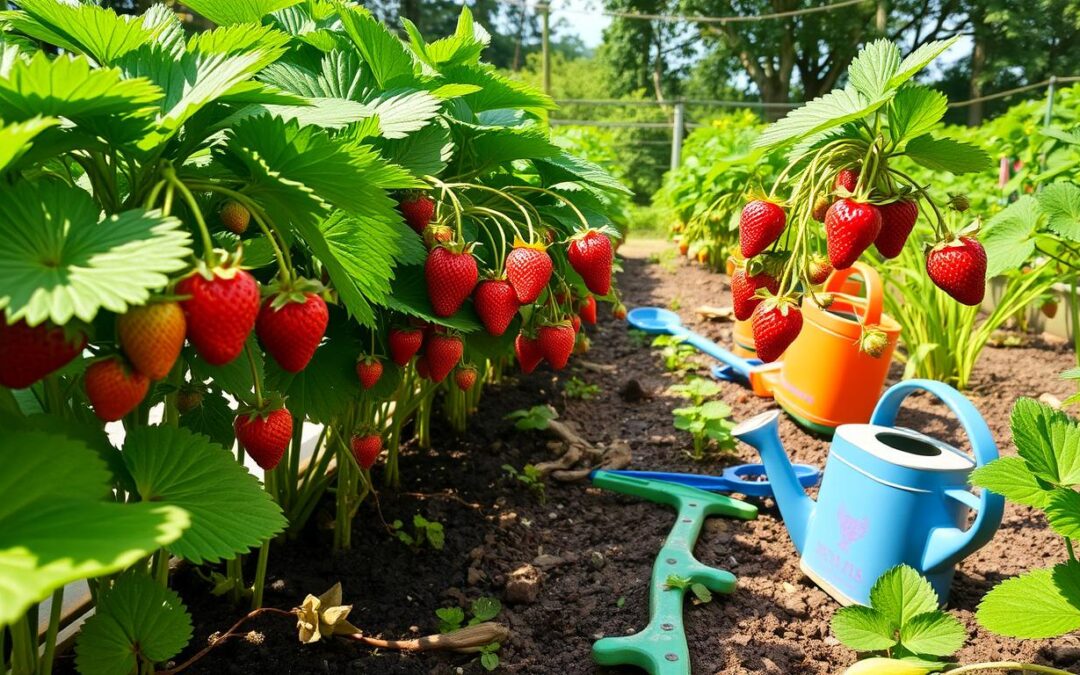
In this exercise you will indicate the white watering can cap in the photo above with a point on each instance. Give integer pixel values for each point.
(906, 448)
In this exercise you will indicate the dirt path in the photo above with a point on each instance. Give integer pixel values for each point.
(594, 549)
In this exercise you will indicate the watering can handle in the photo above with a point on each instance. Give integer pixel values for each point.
(948, 545)
(982, 441)
(874, 294)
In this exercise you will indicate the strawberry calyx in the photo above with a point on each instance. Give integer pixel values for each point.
(605, 230)
(294, 290)
(784, 303)
(534, 245)
(271, 403)
(228, 265)
(457, 246)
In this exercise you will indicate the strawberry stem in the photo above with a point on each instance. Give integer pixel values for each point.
(254, 376)
(189, 199)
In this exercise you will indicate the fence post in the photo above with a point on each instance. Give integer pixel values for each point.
(677, 126)
(1049, 101)
(545, 47)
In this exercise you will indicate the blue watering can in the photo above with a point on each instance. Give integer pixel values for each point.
(889, 496)
(659, 321)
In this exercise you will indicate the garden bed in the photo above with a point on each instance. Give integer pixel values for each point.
(596, 549)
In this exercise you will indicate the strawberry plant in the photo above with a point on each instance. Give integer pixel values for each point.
(844, 170)
(530, 478)
(708, 423)
(423, 532)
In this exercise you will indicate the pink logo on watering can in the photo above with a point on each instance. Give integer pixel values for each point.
(851, 529)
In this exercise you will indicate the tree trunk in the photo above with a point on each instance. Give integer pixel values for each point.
(978, 65)
(410, 9)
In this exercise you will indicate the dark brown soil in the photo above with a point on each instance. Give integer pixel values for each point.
(596, 549)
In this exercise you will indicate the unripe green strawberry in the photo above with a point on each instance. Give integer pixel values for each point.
(873, 341)
(619, 311)
(234, 216)
(152, 336)
(29, 354)
(437, 234)
(264, 435)
(821, 207)
(959, 202)
(114, 388)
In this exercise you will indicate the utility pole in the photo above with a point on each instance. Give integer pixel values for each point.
(882, 18)
(677, 134)
(545, 15)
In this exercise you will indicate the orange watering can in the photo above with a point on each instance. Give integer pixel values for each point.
(823, 379)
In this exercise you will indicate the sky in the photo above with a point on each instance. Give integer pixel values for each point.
(580, 14)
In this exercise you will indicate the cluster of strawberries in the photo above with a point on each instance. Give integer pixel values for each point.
(452, 276)
(956, 265)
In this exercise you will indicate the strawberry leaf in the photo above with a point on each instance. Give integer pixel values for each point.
(935, 633)
(1009, 237)
(1011, 478)
(914, 111)
(391, 63)
(919, 59)
(137, 618)
(230, 512)
(1063, 511)
(1042, 603)
(55, 526)
(872, 69)
(823, 113)
(15, 139)
(1049, 440)
(901, 593)
(60, 262)
(863, 629)
(225, 12)
(1061, 202)
(81, 28)
(947, 154)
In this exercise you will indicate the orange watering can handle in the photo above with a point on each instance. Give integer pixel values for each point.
(872, 282)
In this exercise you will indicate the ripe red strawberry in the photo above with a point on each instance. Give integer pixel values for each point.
(418, 210)
(776, 324)
(404, 343)
(366, 449)
(152, 337)
(591, 255)
(465, 377)
(264, 435)
(819, 269)
(496, 302)
(220, 312)
(422, 368)
(619, 311)
(369, 369)
(743, 290)
(114, 388)
(291, 329)
(587, 310)
(850, 228)
(958, 267)
(528, 269)
(235, 217)
(684, 247)
(556, 344)
(760, 224)
(451, 276)
(527, 350)
(29, 354)
(575, 323)
(437, 234)
(897, 221)
(847, 179)
(443, 352)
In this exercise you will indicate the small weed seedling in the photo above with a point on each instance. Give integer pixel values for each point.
(530, 477)
(708, 423)
(701, 594)
(904, 631)
(1045, 475)
(535, 418)
(482, 609)
(698, 390)
(675, 351)
(675, 304)
(578, 388)
(638, 337)
(424, 532)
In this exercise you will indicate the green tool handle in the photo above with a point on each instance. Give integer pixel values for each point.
(661, 647)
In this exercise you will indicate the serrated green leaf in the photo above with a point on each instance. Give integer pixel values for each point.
(1011, 478)
(901, 593)
(82, 28)
(225, 12)
(1063, 511)
(15, 139)
(54, 526)
(486, 608)
(69, 87)
(1061, 202)
(496, 92)
(919, 59)
(825, 112)
(1009, 237)
(449, 91)
(947, 154)
(212, 418)
(389, 60)
(402, 114)
(915, 110)
(873, 68)
(165, 28)
(863, 629)
(936, 633)
(230, 512)
(1049, 440)
(59, 262)
(425, 152)
(568, 167)
(234, 377)
(1042, 603)
(137, 618)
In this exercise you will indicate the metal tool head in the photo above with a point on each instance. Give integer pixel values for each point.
(654, 320)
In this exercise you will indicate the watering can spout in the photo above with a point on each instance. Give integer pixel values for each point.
(796, 507)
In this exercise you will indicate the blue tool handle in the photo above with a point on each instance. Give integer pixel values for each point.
(707, 346)
(947, 546)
